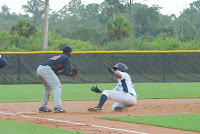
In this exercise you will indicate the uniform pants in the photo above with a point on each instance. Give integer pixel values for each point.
(122, 99)
(50, 81)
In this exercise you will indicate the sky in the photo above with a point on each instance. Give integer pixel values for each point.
(168, 6)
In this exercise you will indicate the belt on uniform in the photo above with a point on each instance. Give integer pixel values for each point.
(132, 95)
(46, 66)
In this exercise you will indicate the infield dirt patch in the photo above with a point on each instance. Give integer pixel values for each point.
(77, 112)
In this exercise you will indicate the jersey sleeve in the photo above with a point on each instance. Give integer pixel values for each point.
(123, 77)
(67, 69)
(123, 80)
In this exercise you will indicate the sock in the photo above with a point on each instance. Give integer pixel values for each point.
(102, 100)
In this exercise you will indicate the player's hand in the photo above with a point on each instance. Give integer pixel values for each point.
(96, 89)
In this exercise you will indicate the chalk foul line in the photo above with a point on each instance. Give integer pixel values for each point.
(70, 122)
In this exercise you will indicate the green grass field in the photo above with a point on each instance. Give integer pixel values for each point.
(188, 122)
(76, 92)
(13, 127)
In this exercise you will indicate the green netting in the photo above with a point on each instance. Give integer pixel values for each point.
(143, 67)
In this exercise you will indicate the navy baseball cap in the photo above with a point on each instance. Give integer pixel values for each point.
(67, 49)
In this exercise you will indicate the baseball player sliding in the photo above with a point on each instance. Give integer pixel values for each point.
(3, 62)
(48, 71)
(124, 94)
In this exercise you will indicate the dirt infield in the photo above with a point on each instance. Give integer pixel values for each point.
(79, 119)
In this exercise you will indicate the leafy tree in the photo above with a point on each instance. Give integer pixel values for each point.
(96, 23)
(118, 28)
(77, 45)
(54, 16)
(24, 27)
(116, 5)
(186, 31)
(130, 43)
(146, 21)
(73, 9)
(5, 11)
(190, 15)
(161, 43)
(71, 16)
(129, 5)
(84, 33)
(74, 17)
(63, 13)
(91, 18)
(92, 10)
(6, 18)
(36, 9)
(109, 8)
(166, 25)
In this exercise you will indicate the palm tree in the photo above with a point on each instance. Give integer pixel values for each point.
(118, 28)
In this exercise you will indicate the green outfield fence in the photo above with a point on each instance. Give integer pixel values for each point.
(144, 66)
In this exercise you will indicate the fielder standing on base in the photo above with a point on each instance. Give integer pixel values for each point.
(124, 94)
(48, 71)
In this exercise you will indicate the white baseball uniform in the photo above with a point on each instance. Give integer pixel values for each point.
(124, 94)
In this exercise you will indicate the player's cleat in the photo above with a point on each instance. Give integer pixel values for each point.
(94, 109)
(118, 109)
(45, 109)
(59, 110)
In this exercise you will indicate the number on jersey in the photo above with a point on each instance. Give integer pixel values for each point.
(55, 57)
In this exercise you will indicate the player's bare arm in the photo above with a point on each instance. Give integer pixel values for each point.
(115, 73)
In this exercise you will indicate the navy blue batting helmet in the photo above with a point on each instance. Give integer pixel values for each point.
(122, 67)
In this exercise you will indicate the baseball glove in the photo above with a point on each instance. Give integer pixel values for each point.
(111, 70)
(74, 72)
(96, 89)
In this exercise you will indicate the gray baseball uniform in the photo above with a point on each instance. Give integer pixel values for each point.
(47, 72)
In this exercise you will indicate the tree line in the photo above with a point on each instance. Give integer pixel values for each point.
(111, 25)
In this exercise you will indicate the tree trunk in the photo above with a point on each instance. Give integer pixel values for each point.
(46, 16)
(130, 12)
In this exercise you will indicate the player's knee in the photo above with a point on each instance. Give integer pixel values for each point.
(117, 108)
(113, 108)
(49, 93)
(58, 87)
(106, 92)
